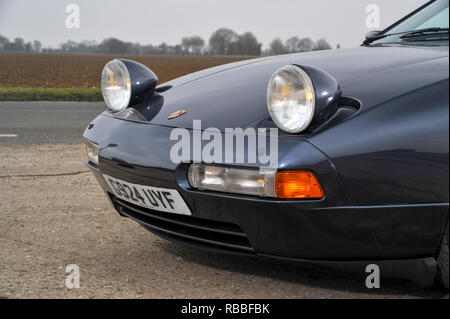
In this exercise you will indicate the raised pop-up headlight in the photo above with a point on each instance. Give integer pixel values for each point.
(302, 97)
(116, 85)
(291, 99)
(125, 83)
(266, 183)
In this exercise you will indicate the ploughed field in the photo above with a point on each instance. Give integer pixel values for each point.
(83, 71)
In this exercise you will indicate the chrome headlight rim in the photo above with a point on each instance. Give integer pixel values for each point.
(106, 85)
(303, 78)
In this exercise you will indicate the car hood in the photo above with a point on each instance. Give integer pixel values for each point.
(234, 95)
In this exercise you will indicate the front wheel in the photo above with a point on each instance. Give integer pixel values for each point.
(442, 260)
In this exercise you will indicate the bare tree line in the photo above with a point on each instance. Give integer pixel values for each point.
(222, 42)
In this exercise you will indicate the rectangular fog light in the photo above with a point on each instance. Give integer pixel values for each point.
(92, 151)
(232, 180)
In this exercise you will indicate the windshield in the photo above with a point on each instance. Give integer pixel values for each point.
(435, 15)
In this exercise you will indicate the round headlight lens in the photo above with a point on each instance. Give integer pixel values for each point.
(116, 85)
(291, 99)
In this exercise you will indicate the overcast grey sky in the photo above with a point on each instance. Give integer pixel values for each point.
(149, 21)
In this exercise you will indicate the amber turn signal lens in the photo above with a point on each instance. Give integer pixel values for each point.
(297, 184)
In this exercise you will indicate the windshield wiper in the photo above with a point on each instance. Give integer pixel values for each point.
(433, 32)
(371, 37)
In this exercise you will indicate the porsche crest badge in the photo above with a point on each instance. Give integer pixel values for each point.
(176, 114)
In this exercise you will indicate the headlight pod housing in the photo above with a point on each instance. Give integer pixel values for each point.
(125, 83)
(299, 97)
(291, 99)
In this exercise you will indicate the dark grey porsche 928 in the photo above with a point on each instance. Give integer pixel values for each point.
(361, 139)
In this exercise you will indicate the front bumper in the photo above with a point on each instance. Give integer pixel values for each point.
(329, 232)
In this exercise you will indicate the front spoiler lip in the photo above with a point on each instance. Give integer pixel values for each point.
(419, 271)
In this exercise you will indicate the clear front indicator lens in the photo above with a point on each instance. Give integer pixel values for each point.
(116, 85)
(266, 183)
(291, 99)
(92, 152)
(232, 180)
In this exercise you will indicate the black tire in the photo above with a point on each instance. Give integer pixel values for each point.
(442, 260)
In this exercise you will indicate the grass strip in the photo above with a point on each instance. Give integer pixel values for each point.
(50, 94)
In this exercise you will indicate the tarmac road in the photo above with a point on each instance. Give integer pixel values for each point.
(54, 214)
(24, 123)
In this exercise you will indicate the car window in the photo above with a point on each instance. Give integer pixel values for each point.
(434, 15)
(439, 20)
